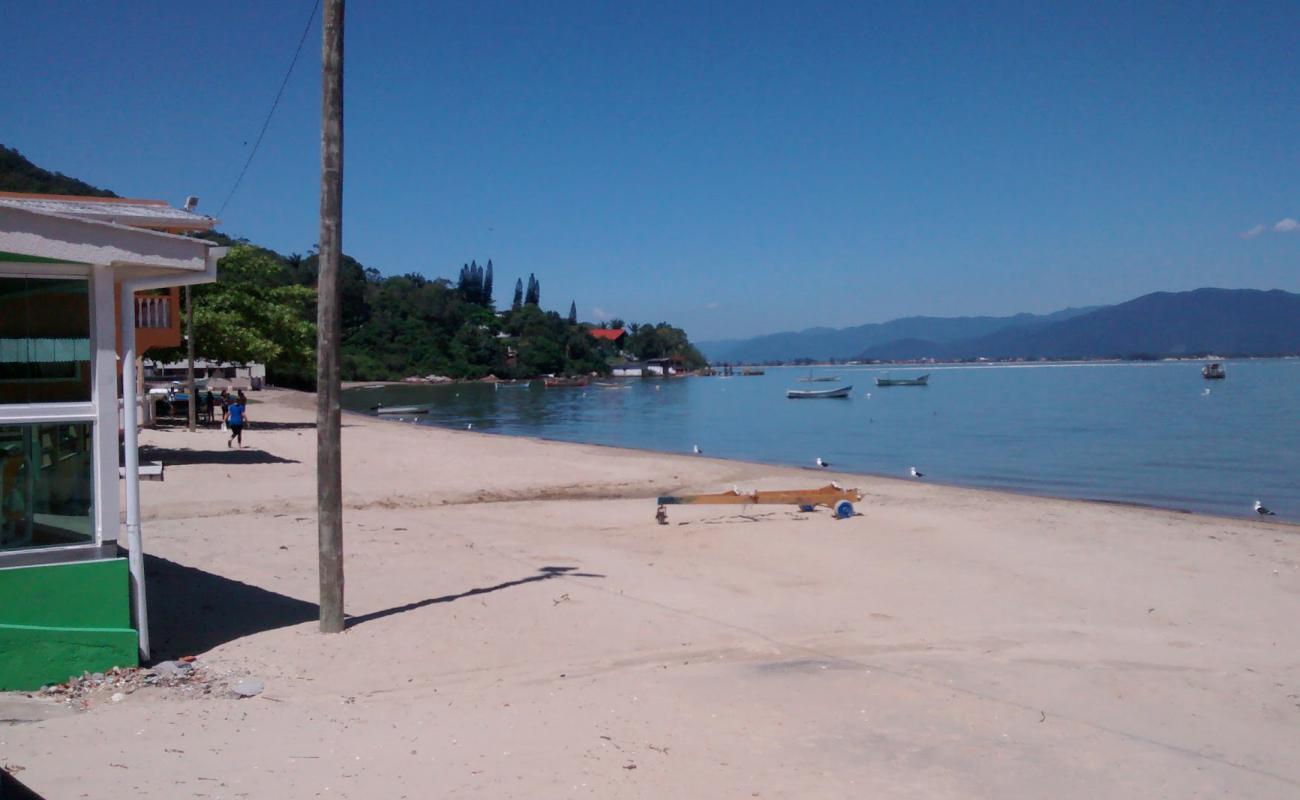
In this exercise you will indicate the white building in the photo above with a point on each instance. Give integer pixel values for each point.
(69, 599)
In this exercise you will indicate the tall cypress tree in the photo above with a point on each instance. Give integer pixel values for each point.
(534, 294)
(487, 285)
(518, 302)
(573, 312)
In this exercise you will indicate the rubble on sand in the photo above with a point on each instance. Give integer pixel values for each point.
(184, 677)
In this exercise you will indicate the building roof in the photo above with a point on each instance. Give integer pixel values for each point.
(610, 334)
(151, 214)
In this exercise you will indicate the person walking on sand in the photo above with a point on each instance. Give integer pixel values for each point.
(225, 408)
(235, 420)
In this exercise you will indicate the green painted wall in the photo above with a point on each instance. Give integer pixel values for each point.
(64, 619)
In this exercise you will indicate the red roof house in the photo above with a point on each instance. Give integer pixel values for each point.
(614, 335)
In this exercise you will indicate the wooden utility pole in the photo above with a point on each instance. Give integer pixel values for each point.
(189, 352)
(329, 465)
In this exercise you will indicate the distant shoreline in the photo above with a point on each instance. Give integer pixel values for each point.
(1007, 362)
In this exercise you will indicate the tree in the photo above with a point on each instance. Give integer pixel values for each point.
(245, 316)
(487, 285)
(533, 297)
(519, 295)
(573, 312)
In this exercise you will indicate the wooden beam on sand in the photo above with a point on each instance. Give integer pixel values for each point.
(827, 496)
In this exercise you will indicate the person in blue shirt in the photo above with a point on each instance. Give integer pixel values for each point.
(237, 416)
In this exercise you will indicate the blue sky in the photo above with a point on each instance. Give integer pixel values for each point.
(733, 168)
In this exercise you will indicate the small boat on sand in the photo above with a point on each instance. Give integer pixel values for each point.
(924, 380)
(818, 394)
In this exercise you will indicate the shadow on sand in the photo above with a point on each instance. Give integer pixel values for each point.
(543, 574)
(192, 611)
(258, 425)
(181, 456)
(12, 789)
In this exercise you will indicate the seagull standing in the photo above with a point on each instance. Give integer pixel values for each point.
(1263, 512)
(696, 450)
(821, 463)
(916, 473)
(469, 426)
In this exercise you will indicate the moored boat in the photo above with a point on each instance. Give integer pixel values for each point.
(924, 380)
(402, 410)
(751, 371)
(818, 394)
(553, 382)
(1213, 372)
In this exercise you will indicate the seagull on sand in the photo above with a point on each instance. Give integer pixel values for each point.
(821, 463)
(916, 473)
(469, 426)
(1263, 512)
(696, 450)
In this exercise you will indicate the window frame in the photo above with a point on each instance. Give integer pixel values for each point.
(87, 411)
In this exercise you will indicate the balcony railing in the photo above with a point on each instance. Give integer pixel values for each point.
(153, 311)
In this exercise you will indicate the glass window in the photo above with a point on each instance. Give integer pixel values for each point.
(44, 340)
(46, 486)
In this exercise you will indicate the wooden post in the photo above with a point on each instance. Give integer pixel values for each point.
(329, 465)
(189, 352)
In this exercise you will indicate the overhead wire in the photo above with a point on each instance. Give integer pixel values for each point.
(274, 104)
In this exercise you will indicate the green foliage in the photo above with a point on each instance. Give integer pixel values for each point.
(263, 308)
(661, 341)
(252, 314)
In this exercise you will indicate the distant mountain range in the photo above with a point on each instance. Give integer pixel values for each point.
(1227, 322)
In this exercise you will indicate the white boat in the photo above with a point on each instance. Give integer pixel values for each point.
(401, 410)
(818, 394)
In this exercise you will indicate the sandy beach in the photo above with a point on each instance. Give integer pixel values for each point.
(521, 627)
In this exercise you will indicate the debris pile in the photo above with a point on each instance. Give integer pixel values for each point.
(115, 684)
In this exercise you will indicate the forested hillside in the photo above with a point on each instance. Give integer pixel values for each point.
(17, 174)
(263, 308)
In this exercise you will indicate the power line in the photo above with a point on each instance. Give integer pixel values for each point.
(274, 103)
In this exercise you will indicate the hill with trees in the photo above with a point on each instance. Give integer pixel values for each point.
(17, 174)
(263, 308)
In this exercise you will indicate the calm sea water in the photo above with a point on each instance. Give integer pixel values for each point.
(1141, 433)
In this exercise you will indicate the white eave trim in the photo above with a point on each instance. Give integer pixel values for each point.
(77, 240)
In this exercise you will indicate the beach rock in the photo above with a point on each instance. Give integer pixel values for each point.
(118, 697)
(171, 669)
(250, 687)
